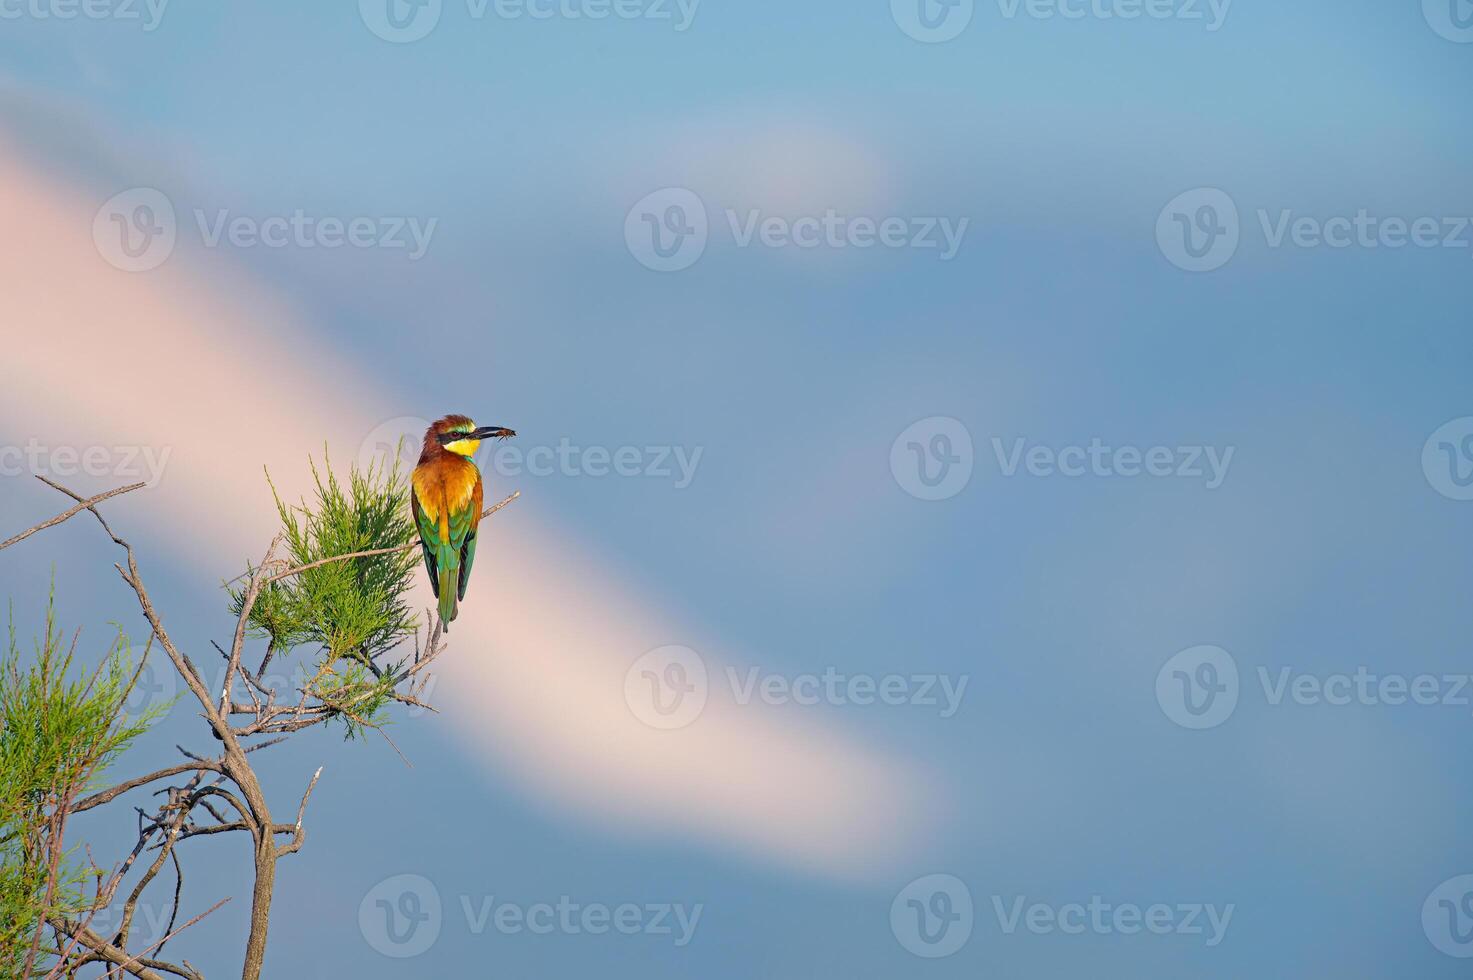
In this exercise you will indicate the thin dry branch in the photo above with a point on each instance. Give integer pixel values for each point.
(301, 832)
(69, 514)
(108, 795)
(105, 951)
(171, 936)
(134, 580)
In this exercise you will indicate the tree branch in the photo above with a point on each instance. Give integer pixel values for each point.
(69, 514)
(301, 833)
(349, 697)
(108, 795)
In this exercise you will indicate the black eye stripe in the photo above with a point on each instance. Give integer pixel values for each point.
(446, 438)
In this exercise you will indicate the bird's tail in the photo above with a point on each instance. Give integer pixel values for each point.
(449, 566)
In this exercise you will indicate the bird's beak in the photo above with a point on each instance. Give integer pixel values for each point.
(492, 432)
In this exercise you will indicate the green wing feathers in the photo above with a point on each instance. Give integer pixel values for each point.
(467, 559)
(449, 548)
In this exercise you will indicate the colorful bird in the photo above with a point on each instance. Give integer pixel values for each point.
(446, 500)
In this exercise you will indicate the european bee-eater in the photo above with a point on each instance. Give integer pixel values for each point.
(446, 498)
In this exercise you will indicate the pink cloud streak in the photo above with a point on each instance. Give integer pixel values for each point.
(534, 680)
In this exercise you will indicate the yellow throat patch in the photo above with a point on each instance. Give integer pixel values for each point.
(464, 447)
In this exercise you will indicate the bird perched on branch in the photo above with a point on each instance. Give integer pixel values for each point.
(446, 498)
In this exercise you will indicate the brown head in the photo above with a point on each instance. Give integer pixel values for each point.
(459, 435)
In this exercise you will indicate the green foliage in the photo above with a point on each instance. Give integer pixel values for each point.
(347, 608)
(62, 728)
(351, 611)
(356, 697)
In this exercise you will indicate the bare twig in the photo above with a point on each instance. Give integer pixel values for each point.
(135, 959)
(105, 951)
(301, 833)
(108, 795)
(69, 514)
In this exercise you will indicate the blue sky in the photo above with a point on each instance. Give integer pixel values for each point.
(795, 548)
